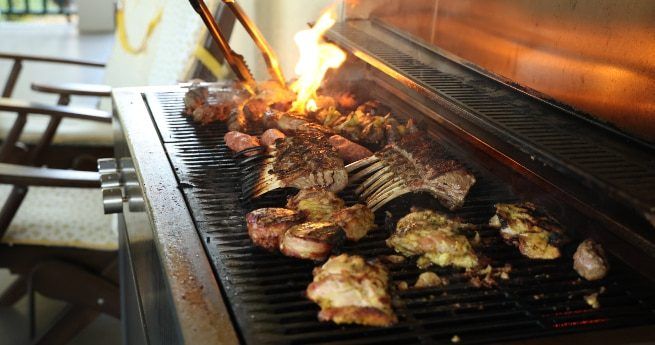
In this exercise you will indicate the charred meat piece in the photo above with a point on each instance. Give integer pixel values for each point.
(350, 290)
(237, 121)
(238, 141)
(534, 232)
(356, 221)
(254, 110)
(318, 204)
(267, 225)
(270, 135)
(414, 164)
(286, 122)
(301, 161)
(348, 150)
(590, 261)
(435, 238)
(311, 240)
(195, 97)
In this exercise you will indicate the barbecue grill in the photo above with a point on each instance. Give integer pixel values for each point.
(190, 273)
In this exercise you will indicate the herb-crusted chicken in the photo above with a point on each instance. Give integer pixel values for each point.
(435, 238)
(350, 290)
(535, 233)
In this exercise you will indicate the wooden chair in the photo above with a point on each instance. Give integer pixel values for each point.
(85, 278)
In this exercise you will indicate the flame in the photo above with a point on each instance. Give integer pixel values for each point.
(316, 57)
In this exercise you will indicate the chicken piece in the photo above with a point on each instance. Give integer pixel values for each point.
(311, 240)
(316, 203)
(590, 261)
(535, 233)
(348, 150)
(356, 221)
(238, 141)
(429, 279)
(267, 225)
(270, 135)
(350, 290)
(435, 238)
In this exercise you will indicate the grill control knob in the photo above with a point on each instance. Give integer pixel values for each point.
(109, 180)
(112, 200)
(107, 165)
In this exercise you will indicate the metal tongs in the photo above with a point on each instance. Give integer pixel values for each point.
(236, 61)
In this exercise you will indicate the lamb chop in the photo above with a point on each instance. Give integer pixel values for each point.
(434, 237)
(318, 204)
(300, 161)
(350, 290)
(267, 225)
(311, 240)
(413, 164)
(533, 231)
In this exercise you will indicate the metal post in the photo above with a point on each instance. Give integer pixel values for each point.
(13, 76)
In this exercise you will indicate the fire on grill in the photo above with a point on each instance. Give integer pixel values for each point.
(301, 137)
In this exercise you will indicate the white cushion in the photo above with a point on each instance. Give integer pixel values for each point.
(63, 217)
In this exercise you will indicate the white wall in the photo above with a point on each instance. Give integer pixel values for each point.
(278, 20)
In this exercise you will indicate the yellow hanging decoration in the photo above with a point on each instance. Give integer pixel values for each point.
(122, 32)
(208, 60)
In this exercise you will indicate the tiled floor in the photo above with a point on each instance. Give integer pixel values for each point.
(51, 39)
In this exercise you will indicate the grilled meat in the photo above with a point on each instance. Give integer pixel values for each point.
(267, 225)
(237, 121)
(356, 221)
(348, 150)
(415, 163)
(350, 290)
(208, 113)
(238, 141)
(270, 135)
(301, 161)
(318, 204)
(535, 233)
(435, 238)
(311, 240)
(195, 97)
(590, 261)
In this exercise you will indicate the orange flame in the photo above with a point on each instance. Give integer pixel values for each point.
(316, 57)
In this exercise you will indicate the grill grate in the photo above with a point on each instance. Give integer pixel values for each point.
(265, 291)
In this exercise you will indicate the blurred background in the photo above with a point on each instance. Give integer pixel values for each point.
(140, 42)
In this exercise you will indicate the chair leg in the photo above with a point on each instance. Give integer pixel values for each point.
(14, 292)
(68, 325)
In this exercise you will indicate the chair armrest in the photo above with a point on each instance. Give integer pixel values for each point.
(24, 57)
(33, 176)
(12, 105)
(76, 89)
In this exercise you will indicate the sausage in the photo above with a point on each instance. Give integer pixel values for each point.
(238, 141)
(270, 135)
(348, 150)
